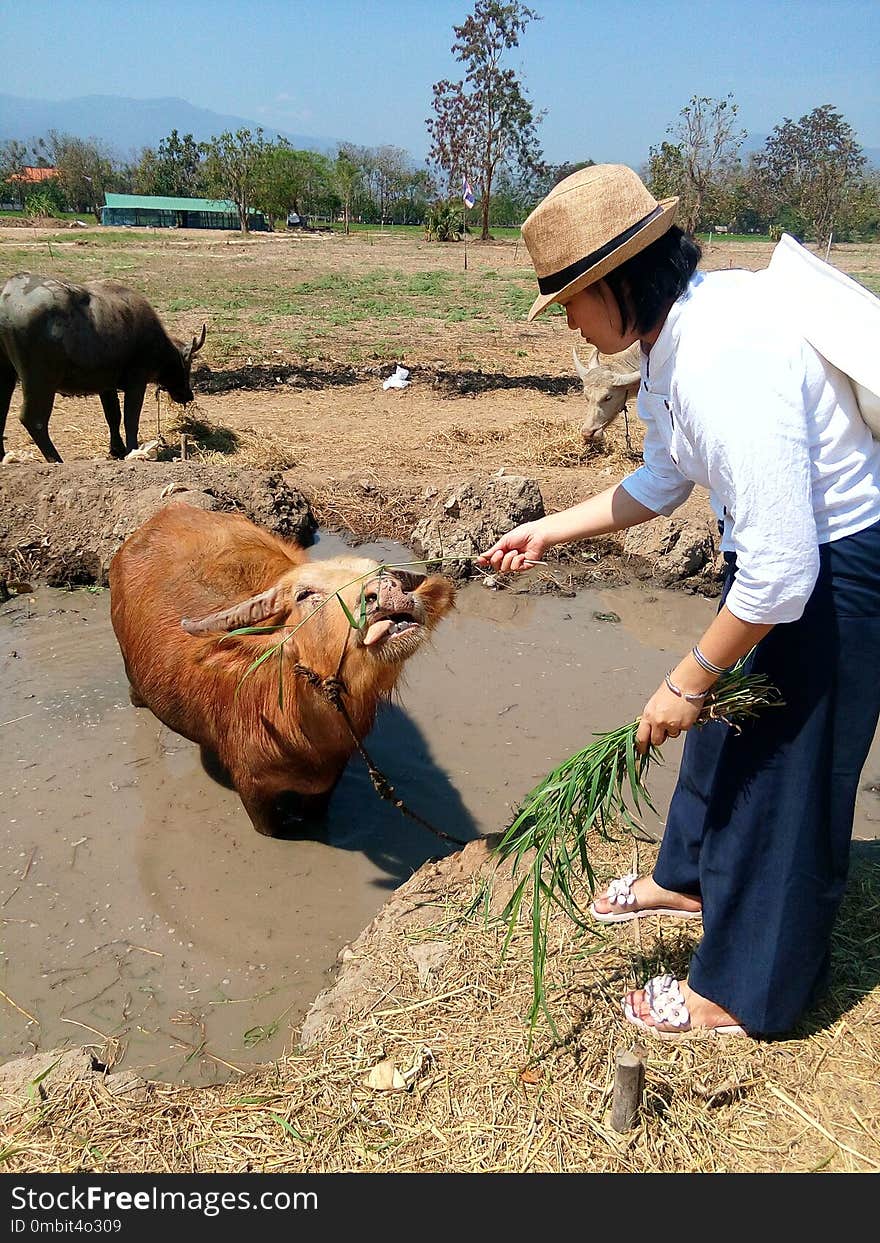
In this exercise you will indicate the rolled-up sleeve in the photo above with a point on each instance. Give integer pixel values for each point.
(757, 452)
(658, 484)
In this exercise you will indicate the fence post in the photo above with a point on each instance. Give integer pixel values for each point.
(629, 1084)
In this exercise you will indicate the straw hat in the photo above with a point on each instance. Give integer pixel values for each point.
(589, 224)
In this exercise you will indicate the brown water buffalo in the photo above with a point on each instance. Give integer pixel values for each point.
(187, 577)
(56, 337)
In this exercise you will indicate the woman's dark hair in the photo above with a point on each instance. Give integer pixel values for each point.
(646, 286)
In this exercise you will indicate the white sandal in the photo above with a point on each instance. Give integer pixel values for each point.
(619, 893)
(666, 1005)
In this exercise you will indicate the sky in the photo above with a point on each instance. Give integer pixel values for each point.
(610, 76)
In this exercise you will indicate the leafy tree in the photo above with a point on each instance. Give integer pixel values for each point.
(665, 173)
(418, 190)
(485, 121)
(288, 179)
(705, 146)
(232, 169)
(347, 178)
(865, 210)
(812, 169)
(86, 170)
(175, 169)
(13, 162)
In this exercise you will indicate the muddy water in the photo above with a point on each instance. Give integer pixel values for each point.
(136, 902)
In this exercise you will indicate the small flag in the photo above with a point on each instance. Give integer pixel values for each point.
(467, 193)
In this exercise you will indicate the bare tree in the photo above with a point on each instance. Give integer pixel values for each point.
(485, 121)
(706, 143)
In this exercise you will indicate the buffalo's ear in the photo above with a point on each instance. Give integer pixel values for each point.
(249, 612)
(437, 593)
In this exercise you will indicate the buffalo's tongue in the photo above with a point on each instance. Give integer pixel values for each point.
(377, 631)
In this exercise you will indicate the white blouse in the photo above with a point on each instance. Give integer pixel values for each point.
(734, 400)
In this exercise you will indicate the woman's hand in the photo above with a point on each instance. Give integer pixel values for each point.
(518, 549)
(665, 715)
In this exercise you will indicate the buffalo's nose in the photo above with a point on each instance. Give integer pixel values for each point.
(387, 593)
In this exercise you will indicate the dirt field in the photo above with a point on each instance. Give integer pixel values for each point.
(301, 332)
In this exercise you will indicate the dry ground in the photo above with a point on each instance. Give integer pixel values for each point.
(302, 330)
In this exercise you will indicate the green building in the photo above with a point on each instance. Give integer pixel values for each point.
(157, 211)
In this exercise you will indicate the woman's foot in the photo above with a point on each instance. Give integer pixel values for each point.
(629, 897)
(670, 1007)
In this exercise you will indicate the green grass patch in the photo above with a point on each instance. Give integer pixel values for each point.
(183, 304)
(341, 298)
(734, 237)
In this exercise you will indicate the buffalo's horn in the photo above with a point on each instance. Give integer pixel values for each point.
(579, 366)
(629, 379)
(247, 613)
(197, 345)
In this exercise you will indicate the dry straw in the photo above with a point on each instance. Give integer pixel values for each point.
(485, 1101)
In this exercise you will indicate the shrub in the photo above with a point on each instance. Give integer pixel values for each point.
(443, 222)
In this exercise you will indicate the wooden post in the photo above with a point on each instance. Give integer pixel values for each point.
(629, 1084)
(184, 446)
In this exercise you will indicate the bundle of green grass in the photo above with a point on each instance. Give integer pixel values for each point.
(597, 790)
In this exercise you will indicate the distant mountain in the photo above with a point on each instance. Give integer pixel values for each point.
(126, 125)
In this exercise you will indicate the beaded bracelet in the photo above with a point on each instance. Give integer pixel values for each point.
(697, 697)
(705, 663)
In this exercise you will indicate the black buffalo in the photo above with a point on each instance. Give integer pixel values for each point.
(56, 337)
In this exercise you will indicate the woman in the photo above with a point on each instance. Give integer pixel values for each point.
(758, 833)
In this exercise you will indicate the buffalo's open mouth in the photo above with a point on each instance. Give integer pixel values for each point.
(389, 626)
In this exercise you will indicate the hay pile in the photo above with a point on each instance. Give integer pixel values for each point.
(425, 1002)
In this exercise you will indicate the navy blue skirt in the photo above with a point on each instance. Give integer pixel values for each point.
(760, 823)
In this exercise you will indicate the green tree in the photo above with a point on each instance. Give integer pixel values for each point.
(485, 121)
(175, 169)
(665, 174)
(288, 179)
(811, 170)
(86, 170)
(418, 190)
(865, 209)
(13, 162)
(347, 179)
(232, 165)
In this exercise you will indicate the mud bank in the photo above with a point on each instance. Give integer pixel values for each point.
(61, 525)
(319, 376)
